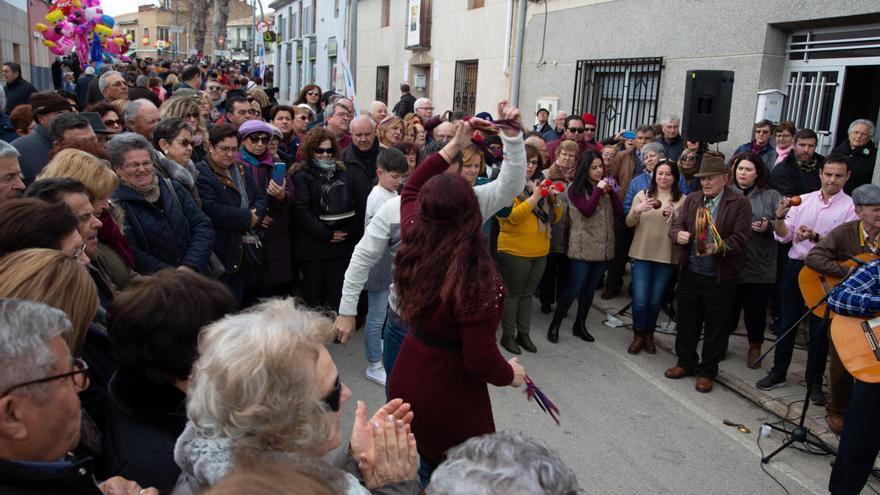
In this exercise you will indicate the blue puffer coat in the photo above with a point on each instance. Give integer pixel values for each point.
(222, 203)
(171, 233)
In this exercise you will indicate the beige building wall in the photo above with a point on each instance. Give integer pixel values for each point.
(457, 33)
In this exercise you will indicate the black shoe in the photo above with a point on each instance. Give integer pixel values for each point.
(509, 342)
(553, 331)
(816, 395)
(525, 342)
(770, 382)
(546, 308)
(580, 330)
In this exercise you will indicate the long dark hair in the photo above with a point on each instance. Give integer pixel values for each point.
(581, 181)
(444, 257)
(676, 191)
(302, 94)
(760, 167)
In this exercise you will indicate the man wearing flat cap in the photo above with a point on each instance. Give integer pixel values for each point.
(34, 148)
(711, 228)
(849, 239)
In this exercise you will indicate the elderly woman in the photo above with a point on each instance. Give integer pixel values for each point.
(155, 348)
(324, 212)
(187, 105)
(110, 116)
(173, 138)
(114, 256)
(235, 204)
(277, 272)
(281, 397)
(390, 131)
(862, 153)
(163, 224)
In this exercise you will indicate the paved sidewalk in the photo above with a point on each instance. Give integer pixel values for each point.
(784, 401)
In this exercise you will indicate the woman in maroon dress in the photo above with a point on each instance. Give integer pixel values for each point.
(451, 296)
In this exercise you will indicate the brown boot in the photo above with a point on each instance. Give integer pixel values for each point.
(650, 348)
(754, 354)
(638, 342)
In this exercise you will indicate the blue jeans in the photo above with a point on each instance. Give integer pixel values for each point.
(393, 334)
(649, 281)
(583, 277)
(792, 309)
(378, 304)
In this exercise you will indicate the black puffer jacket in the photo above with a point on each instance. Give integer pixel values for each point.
(313, 235)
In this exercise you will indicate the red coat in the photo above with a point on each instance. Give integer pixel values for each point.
(447, 386)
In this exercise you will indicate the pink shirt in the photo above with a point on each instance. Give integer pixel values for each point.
(817, 216)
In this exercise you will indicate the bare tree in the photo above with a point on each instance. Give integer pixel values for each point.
(199, 14)
(221, 16)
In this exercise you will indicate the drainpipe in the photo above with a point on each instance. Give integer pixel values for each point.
(517, 61)
(508, 27)
(352, 40)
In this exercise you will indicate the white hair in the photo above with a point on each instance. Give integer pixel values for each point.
(655, 147)
(133, 107)
(26, 327)
(419, 102)
(503, 462)
(7, 150)
(102, 81)
(122, 143)
(670, 119)
(374, 105)
(255, 381)
(861, 122)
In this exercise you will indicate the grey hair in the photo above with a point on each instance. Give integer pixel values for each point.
(669, 119)
(866, 122)
(133, 107)
(26, 327)
(331, 109)
(655, 147)
(421, 101)
(503, 462)
(102, 81)
(255, 380)
(560, 113)
(7, 150)
(375, 104)
(122, 143)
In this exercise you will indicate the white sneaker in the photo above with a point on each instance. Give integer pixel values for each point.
(376, 373)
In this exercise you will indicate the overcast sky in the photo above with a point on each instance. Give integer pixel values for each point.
(116, 7)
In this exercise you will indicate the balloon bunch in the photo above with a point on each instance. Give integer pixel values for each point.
(81, 26)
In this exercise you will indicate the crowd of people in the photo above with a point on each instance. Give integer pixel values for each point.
(172, 240)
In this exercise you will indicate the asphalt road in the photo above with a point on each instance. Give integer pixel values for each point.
(624, 427)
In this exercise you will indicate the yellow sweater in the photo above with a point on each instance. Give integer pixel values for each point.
(521, 234)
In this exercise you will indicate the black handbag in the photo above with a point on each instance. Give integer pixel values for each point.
(251, 243)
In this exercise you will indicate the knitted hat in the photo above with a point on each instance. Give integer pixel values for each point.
(712, 164)
(252, 126)
(48, 102)
(867, 194)
(589, 119)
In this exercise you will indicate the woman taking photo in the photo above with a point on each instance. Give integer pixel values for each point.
(164, 226)
(235, 205)
(756, 280)
(523, 244)
(390, 131)
(173, 138)
(324, 212)
(652, 253)
(451, 296)
(593, 206)
(277, 272)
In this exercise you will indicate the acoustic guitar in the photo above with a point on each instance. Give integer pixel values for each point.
(857, 343)
(815, 285)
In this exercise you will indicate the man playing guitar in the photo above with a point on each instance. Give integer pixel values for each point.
(850, 239)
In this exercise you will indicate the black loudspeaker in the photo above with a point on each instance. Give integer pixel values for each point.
(706, 114)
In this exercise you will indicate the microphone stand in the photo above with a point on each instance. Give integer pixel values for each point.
(800, 433)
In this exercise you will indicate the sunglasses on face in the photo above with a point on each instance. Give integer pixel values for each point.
(312, 93)
(254, 138)
(578, 130)
(323, 151)
(333, 399)
(114, 123)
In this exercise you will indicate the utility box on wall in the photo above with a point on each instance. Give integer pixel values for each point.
(770, 105)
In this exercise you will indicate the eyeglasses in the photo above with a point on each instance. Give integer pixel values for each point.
(80, 377)
(688, 158)
(226, 150)
(256, 138)
(79, 252)
(118, 84)
(303, 117)
(193, 115)
(578, 130)
(426, 108)
(333, 399)
(762, 131)
(114, 123)
(214, 89)
(589, 129)
(533, 162)
(313, 93)
(324, 151)
(135, 166)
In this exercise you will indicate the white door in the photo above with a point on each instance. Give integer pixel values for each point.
(814, 102)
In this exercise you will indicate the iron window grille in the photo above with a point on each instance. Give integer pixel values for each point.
(465, 89)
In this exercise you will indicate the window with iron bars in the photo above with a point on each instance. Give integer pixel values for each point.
(465, 89)
(621, 93)
(382, 84)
